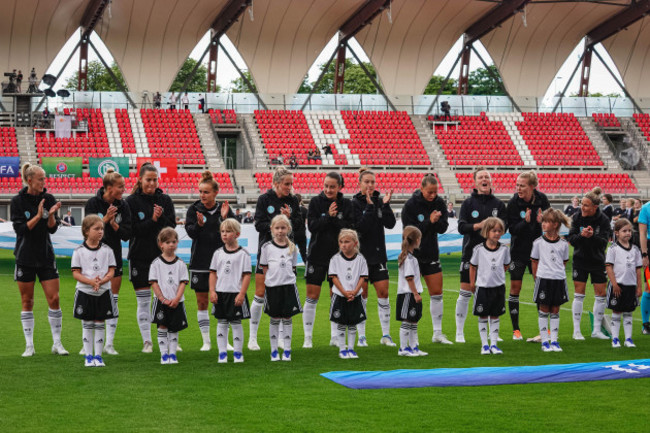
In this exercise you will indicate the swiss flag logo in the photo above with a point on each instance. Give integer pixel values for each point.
(167, 167)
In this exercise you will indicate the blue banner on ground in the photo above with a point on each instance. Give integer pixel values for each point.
(488, 376)
(10, 166)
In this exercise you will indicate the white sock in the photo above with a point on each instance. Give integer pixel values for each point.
(173, 342)
(333, 331)
(55, 317)
(435, 307)
(340, 337)
(222, 335)
(383, 308)
(600, 303)
(413, 335)
(309, 316)
(404, 331)
(273, 333)
(237, 336)
(461, 310)
(111, 324)
(627, 325)
(482, 330)
(494, 331)
(287, 333)
(87, 336)
(361, 327)
(27, 319)
(576, 308)
(555, 327)
(203, 318)
(143, 311)
(163, 343)
(100, 333)
(616, 325)
(542, 320)
(256, 315)
(352, 337)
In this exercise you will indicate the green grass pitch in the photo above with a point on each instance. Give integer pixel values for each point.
(135, 393)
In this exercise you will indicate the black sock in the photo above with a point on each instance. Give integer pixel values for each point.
(513, 306)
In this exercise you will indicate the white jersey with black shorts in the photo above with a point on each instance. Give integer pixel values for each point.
(490, 265)
(407, 309)
(550, 283)
(230, 267)
(93, 263)
(281, 298)
(348, 271)
(625, 262)
(169, 275)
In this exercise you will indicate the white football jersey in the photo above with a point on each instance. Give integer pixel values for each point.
(348, 271)
(280, 264)
(625, 262)
(93, 262)
(410, 268)
(230, 266)
(168, 275)
(551, 257)
(490, 264)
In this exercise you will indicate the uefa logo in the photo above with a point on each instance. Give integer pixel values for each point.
(61, 167)
(103, 167)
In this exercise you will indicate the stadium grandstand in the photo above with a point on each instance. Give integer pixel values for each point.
(574, 143)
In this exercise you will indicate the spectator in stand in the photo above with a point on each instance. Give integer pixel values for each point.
(310, 155)
(317, 156)
(172, 101)
(451, 213)
(328, 149)
(19, 80)
(185, 100)
(446, 110)
(620, 212)
(202, 103)
(608, 208)
(249, 219)
(279, 160)
(68, 220)
(157, 100)
(573, 207)
(293, 161)
(238, 215)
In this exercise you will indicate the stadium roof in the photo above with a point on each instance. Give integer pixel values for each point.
(280, 39)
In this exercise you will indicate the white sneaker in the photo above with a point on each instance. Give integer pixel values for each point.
(223, 358)
(363, 342)
(29, 351)
(555, 346)
(99, 362)
(418, 352)
(386, 340)
(275, 356)
(238, 357)
(599, 335)
(494, 350)
(307, 343)
(343, 354)
(440, 338)
(164, 359)
(577, 335)
(89, 361)
(616, 343)
(352, 354)
(629, 343)
(334, 342)
(485, 350)
(286, 355)
(110, 350)
(147, 347)
(173, 359)
(58, 349)
(206, 347)
(253, 346)
(546, 347)
(407, 351)
(460, 338)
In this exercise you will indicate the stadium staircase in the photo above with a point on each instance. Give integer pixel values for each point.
(602, 148)
(26, 145)
(508, 120)
(208, 140)
(260, 160)
(139, 134)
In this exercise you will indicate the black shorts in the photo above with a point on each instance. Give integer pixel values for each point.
(282, 301)
(597, 277)
(347, 313)
(119, 269)
(550, 292)
(316, 274)
(139, 274)
(429, 268)
(626, 302)
(407, 309)
(27, 274)
(464, 272)
(490, 301)
(225, 308)
(377, 272)
(200, 281)
(174, 319)
(91, 307)
(518, 269)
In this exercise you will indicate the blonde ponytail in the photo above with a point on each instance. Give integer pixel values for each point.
(410, 236)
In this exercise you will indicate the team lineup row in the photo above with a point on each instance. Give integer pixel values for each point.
(142, 216)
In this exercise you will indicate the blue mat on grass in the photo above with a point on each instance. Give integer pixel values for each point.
(486, 376)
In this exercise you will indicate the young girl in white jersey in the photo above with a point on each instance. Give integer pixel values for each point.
(93, 266)
(623, 264)
(278, 259)
(168, 277)
(230, 275)
(487, 273)
(409, 300)
(348, 270)
(549, 256)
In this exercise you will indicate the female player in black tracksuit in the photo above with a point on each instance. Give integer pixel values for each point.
(277, 200)
(202, 224)
(427, 211)
(328, 213)
(589, 235)
(115, 213)
(480, 205)
(34, 217)
(525, 224)
(371, 215)
(151, 211)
